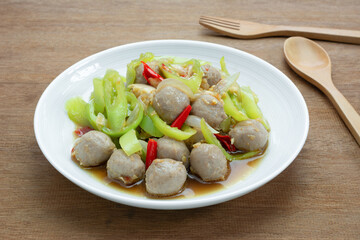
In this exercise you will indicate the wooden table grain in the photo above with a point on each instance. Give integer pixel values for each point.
(316, 197)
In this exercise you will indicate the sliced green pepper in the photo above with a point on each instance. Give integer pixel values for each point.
(76, 109)
(236, 102)
(231, 110)
(251, 108)
(98, 95)
(90, 111)
(115, 101)
(225, 125)
(132, 121)
(148, 126)
(194, 81)
(249, 103)
(210, 138)
(131, 99)
(131, 72)
(223, 66)
(129, 142)
(175, 133)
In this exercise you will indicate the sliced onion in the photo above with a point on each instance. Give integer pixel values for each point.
(223, 85)
(206, 92)
(101, 121)
(176, 84)
(194, 121)
(139, 89)
(179, 69)
(143, 92)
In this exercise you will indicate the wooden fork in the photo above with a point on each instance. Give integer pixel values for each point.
(250, 30)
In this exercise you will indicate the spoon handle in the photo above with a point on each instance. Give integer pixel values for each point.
(329, 34)
(345, 110)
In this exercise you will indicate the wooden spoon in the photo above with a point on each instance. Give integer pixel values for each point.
(311, 62)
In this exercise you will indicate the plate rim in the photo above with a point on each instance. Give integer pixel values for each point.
(182, 203)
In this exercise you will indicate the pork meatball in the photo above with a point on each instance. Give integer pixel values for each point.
(249, 135)
(207, 161)
(209, 108)
(211, 76)
(165, 177)
(140, 69)
(128, 169)
(93, 148)
(171, 148)
(169, 102)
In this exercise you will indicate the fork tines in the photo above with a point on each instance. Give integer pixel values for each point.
(220, 22)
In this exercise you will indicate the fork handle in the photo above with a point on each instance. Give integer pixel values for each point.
(330, 34)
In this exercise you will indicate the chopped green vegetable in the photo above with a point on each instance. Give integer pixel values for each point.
(98, 95)
(237, 103)
(123, 79)
(251, 108)
(194, 81)
(129, 142)
(131, 72)
(144, 150)
(249, 103)
(131, 99)
(225, 125)
(115, 100)
(223, 66)
(148, 126)
(132, 121)
(172, 132)
(211, 139)
(90, 114)
(76, 109)
(231, 110)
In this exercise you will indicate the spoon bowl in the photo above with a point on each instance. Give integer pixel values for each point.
(306, 54)
(311, 62)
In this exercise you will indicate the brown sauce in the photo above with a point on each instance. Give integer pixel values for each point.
(193, 187)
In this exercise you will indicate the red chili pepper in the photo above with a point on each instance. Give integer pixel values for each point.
(165, 67)
(81, 131)
(151, 152)
(225, 141)
(152, 77)
(179, 121)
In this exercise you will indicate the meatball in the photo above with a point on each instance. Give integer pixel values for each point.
(140, 69)
(249, 135)
(209, 108)
(169, 102)
(171, 148)
(128, 169)
(93, 148)
(211, 75)
(207, 161)
(165, 177)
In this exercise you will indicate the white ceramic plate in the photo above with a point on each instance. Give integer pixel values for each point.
(281, 102)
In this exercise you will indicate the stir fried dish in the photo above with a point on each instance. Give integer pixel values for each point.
(167, 118)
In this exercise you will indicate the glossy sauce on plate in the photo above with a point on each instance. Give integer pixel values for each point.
(193, 187)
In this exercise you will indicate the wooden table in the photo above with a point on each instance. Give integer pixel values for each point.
(318, 196)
